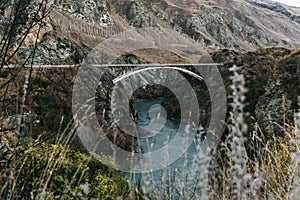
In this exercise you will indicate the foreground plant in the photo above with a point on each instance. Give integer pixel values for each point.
(52, 171)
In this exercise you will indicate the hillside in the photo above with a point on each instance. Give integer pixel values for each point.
(71, 29)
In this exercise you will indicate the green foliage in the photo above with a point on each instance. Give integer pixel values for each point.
(54, 172)
(105, 187)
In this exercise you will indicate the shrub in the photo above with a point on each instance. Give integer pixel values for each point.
(54, 172)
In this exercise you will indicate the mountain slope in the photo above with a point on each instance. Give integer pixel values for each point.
(73, 28)
(292, 13)
(234, 24)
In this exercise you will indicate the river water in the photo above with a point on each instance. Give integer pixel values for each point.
(169, 180)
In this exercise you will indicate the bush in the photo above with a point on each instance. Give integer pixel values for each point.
(54, 172)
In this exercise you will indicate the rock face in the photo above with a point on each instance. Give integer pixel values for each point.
(279, 102)
(55, 50)
(89, 11)
(272, 80)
